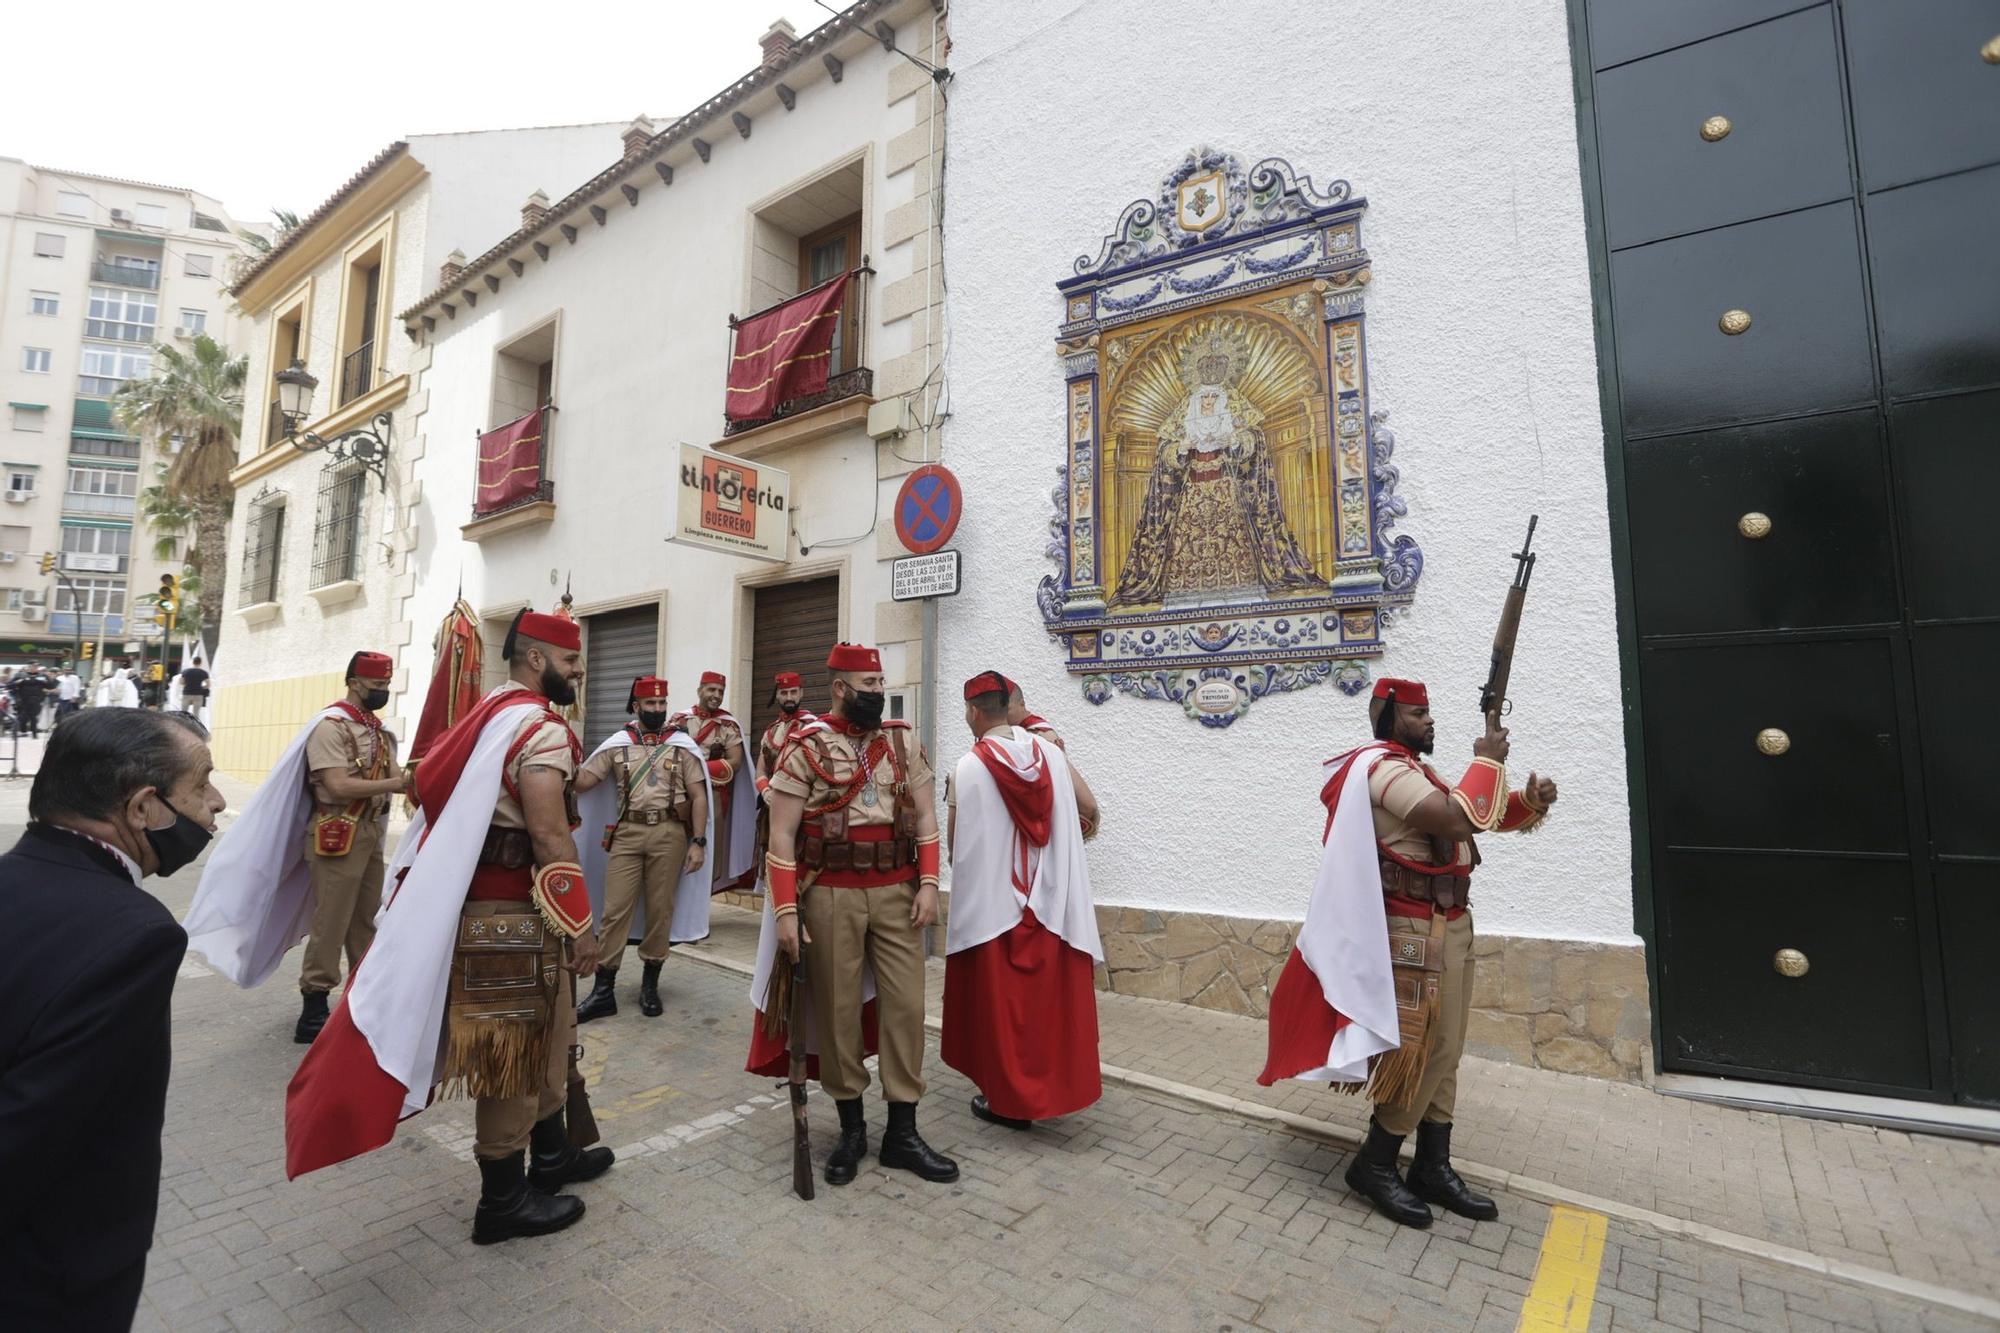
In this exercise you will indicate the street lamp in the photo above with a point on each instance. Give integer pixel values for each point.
(367, 445)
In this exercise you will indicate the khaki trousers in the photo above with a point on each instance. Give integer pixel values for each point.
(847, 927)
(347, 892)
(1437, 1092)
(500, 1125)
(644, 860)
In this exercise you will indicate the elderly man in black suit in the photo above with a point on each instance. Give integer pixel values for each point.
(84, 1011)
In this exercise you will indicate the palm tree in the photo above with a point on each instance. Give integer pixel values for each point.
(283, 223)
(171, 519)
(198, 397)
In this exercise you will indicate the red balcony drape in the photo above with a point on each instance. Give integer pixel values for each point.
(510, 463)
(783, 352)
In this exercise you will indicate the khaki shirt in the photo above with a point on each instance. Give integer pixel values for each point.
(713, 735)
(839, 755)
(548, 746)
(667, 784)
(1396, 786)
(772, 743)
(341, 742)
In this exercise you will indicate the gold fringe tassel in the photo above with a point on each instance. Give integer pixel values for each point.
(492, 1057)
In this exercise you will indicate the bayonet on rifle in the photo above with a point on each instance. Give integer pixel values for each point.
(1493, 701)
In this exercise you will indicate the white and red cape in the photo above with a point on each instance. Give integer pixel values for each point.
(377, 1059)
(255, 899)
(599, 807)
(731, 861)
(1334, 1008)
(1021, 945)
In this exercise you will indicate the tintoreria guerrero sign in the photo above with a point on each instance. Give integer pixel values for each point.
(732, 505)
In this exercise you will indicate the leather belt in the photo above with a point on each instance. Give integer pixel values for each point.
(651, 817)
(1447, 891)
(866, 847)
(511, 848)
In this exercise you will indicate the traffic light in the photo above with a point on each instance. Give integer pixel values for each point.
(89, 649)
(48, 562)
(169, 602)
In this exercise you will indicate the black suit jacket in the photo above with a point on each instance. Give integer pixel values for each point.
(85, 997)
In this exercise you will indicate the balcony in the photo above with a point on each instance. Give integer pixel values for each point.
(119, 331)
(856, 383)
(357, 372)
(81, 502)
(125, 275)
(847, 376)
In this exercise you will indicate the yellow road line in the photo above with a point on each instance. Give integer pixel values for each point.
(1566, 1276)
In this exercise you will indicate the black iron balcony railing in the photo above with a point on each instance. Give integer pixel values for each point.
(847, 377)
(357, 372)
(859, 381)
(125, 275)
(274, 424)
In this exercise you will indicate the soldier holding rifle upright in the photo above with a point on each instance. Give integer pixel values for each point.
(1398, 861)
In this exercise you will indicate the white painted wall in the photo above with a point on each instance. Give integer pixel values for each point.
(480, 179)
(1457, 124)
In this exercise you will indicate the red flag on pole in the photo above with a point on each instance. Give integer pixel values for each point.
(510, 463)
(783, 353)
(454, 679)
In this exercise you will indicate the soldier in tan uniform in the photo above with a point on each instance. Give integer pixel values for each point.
(1019, 716)
(351, 770)
(854, 856)
(789, 693)
(658, 835)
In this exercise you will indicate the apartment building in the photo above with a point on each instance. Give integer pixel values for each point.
(95, 272)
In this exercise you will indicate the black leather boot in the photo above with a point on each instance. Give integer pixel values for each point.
(602, 1002)
(1373, 1176)
(557, 1162)
(1432, 1178)
(902, 1146)
(312, 1017)
(509, 1206)
(853, 1145)
(649, 991)
(993, 1117)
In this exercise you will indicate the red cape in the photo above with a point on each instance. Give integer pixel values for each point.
(1020, 1021)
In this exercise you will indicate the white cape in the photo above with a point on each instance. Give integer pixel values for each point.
(984, 902)
(255, 899)
(1345, 938)
(599, 806)
(396, 998)
(734, 859)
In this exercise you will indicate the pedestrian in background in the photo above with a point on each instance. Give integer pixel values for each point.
(84, 1012)
(69, 692)
(194, 687)
(29, 688)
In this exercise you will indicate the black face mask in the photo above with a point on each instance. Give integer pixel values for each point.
(864, 709)
(375, 700)
(653, 722)
(179, 843)
(791, 707)
(559, 690)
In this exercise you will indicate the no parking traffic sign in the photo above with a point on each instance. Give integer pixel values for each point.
(927, 509)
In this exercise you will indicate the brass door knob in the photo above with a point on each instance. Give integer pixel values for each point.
(1790, 963)
(1716, 128)
(1754, 525)
(1990, 52)
(1734, 322)
(1773, 741)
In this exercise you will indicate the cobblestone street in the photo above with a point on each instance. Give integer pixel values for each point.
(1149, 1210)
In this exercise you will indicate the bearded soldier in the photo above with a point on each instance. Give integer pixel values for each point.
(720, 737)
(644, 798)
(789, 693)
(853, 872)
(1398, 860)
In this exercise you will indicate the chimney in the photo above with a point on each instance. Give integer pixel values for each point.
(453, 265)
(534, 211)
(637, 135)
(778, 43)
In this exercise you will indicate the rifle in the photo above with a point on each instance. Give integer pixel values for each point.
(1493, 701)
(802, 1157)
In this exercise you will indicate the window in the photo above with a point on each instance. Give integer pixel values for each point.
(124, 313)
(265, 540)
(151, 215)
(199, 221)
(337, 525)
(199, 266)
(106, 367)
(22, 481)
(97, 550)
(49, 245)
(14, 537)
(103, 481)
(96, 596)
(35, 360)
(10, 598)
(194, 321)
(287, 346)
(71, 204)
(104, 448)
(27, 417)
(357, 342)
(824, 256)
(44, 303)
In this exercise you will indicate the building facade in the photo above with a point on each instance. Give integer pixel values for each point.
(614, 306)
(314, 536)
(95, 272)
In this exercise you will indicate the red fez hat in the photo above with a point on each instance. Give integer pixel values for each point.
(787, 680)
(853, 657)
(1403, 691)
(713, 678)
(988, 682)
(375, 666)
(556, 631)
(649, 687)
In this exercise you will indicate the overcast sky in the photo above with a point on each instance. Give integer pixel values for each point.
(241, 101)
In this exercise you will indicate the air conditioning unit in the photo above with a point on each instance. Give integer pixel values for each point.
(36, 597)
(19, 497)
(120, 215)
(33, 613)
(9, 557)
(182, 331)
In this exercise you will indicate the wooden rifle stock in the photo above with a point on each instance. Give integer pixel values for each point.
(802, 1159)
(1493, 695)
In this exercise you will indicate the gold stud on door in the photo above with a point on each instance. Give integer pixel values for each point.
(1773, 742)
(1790, 963)
(1734, 322)
(1716, 129)
(1754, 525)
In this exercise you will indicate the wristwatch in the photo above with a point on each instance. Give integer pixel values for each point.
(698, 842)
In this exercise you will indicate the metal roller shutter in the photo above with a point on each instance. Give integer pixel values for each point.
(620, 645)
(794, 627)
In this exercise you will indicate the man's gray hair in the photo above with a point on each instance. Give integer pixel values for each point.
(96, 759)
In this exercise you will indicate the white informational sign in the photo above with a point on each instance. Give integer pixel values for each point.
(732, 505)
(915, 577)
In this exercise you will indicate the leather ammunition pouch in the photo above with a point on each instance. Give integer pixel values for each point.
(867, 847)
(499, 1004)
(1443, 891)
(333, 835)
(508, 847)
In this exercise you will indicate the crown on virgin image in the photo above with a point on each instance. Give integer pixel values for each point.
(1214, 357)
